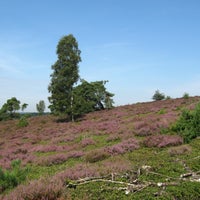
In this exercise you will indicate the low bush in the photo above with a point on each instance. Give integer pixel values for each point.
(97, 155)
(87, 141)
(188, 125)
(186, 95)
(38, 189)
(162, 141)
(158, 96)
(123, 147)
(11, 178)
(22, 122)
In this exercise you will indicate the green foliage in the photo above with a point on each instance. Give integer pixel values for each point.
(90, 97)
(13, 105)
(64, 76)
(186, 95)
(186, 190)
(23, 122)
(24, 106)
(168, 97)
(188, 125)
(4, 115)
(8, 110)
(162, 111)
(158, 96)
(11, 178)
(40, 107)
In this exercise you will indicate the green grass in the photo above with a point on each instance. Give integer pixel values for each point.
(37, 171)
(163, 168)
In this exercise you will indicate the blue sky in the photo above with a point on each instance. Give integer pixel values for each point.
(138, 45)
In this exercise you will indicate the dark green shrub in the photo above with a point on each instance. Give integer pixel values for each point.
(158, 96)
(188, 125)
(11, 178)
(186, 190)
(186, 95)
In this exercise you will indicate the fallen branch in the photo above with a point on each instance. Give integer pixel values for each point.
(135, 185)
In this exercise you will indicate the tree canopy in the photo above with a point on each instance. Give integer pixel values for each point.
(90, 97)
(66, 98)
(9, 109)
(158, 96)
(40, 107)
(65, 75)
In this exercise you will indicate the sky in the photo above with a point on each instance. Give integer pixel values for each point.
(139, 46)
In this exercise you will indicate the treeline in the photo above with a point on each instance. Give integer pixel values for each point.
(11, 109)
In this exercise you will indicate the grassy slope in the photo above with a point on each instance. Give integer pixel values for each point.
(130, 142)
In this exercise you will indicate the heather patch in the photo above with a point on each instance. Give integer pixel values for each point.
(96, 155)
(79, 171)
(58, 158)
(123, 147)
(38, 189)
(162, 141)
(101, 144)
(116, 165)
(87, 141)
(52, 160)
(113, 138)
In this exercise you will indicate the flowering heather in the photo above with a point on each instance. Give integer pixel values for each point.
(46, 142)
(52, 160)
(123, 147)
(96, 155)
(113, 138)
(58, 158)
(118, 165)
(87, 141)
(163, 140)
(79, 171)
(64, 139)
(142, 128)
(75, 154)
(45, 148)
(108, 127)
(38, 189)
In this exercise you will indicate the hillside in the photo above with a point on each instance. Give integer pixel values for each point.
(123, 153)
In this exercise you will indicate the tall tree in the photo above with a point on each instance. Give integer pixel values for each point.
(40, 107)
(65, 75)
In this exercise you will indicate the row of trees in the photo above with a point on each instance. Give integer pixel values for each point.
(67, 98)
(10, 109)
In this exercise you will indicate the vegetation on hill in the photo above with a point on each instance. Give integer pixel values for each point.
(66, 98)
(127, 152)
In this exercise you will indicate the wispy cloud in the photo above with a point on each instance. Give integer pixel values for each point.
(10, 65)
(109, 45)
